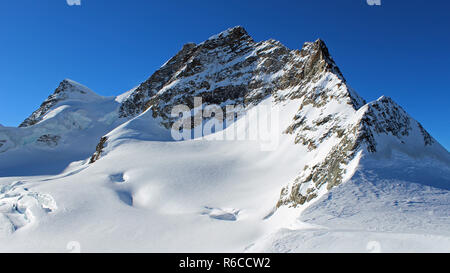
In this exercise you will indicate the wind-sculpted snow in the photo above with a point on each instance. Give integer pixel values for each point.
(221, 214)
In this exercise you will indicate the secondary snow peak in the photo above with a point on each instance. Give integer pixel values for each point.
(67, 89)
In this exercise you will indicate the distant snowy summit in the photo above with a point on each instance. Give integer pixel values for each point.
(334, 126)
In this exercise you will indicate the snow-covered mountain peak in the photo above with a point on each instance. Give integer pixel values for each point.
(230, 33)
(67, 90)
(69, 85)
(231, 36)
(386, 126)
(339, 139)
(66, 127)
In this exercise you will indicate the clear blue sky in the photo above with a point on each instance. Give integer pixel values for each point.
(400, 49)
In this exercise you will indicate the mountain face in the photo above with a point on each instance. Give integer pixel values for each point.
(122, 155)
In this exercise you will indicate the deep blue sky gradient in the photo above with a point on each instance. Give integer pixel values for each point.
(400, 49)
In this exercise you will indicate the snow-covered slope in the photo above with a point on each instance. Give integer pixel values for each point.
(353, 176)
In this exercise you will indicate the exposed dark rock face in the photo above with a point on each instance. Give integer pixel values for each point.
(381, 117)
(98, 150)
(386, 116)
(426, 136)
(49, 140)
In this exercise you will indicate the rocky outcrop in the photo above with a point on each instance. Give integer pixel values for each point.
(98, 150)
